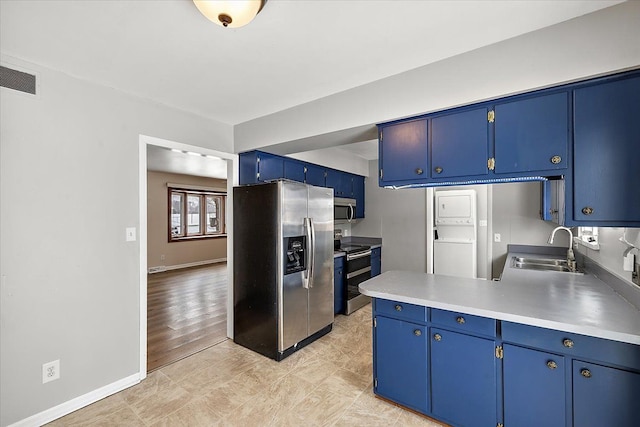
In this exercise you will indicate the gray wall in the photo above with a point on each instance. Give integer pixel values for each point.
(69, 188)
(399, 218)
(516, 217)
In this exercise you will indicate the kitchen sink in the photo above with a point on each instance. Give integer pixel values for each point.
(542, 264)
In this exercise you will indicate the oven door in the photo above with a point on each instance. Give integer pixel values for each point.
(358, 270)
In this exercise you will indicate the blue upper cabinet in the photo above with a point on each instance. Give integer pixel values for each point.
(459, 144)
(294, 170)
(532, 135)
(256, 166)
(315, 175)
(358, 194)
(606, 169)
(341, 182)
(403, 152)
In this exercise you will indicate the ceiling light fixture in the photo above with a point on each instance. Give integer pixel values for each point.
(230, 13)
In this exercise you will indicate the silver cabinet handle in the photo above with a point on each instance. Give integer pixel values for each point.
(587, 210)
(585, 373)
(398, 307)
(551, 364)
(460, 320)
(417, 332)
(419, 171)
(567, 343)
(437, 337)
(555, 160)
(438, 169)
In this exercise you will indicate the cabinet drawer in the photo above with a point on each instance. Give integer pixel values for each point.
(611, 352)
(401, 310)
(464, 322)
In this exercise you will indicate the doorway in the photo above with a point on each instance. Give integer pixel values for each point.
(210, 280)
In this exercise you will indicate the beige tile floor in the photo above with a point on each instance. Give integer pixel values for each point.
(328, 383)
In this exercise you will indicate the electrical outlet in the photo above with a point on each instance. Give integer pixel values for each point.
(131, 234)
(50, 371)
(497, 238)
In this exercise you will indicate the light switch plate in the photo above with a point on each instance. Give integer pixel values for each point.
(131, 234)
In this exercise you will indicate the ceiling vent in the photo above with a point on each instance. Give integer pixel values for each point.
(17, 80)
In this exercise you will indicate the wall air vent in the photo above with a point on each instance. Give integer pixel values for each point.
(17, 80)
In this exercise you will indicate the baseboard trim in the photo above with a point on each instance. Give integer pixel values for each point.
(69, 406)
(161, 268)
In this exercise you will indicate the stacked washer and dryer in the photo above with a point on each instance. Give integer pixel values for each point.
(455, 248)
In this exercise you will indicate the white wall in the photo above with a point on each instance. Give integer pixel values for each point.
(69, 188)
(516, 217)
(336, 158)
(593, 44)
(611, 249)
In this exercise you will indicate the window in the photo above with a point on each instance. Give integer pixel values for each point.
(196, 214)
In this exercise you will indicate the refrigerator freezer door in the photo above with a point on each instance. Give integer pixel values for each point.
(321, 283)
(291, 293)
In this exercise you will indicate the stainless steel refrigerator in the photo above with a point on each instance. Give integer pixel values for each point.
(282, 266)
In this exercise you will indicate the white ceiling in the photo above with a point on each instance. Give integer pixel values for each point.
(293, 52)
(187, 163)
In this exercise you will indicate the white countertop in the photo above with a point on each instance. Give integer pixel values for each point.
(568, 302)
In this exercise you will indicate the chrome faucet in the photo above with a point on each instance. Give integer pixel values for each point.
(571, 259)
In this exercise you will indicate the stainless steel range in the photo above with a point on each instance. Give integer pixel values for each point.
(358, 267)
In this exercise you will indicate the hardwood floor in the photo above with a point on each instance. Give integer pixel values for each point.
(186, 312)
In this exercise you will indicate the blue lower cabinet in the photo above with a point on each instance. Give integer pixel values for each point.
(463, 379)
(534, 388)
(338, 285)
(376, 261)
(605, 396)
(400, 362)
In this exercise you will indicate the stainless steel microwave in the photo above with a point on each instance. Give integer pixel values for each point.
(344, 210)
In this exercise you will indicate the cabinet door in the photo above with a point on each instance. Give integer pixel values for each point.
(358, 194)
(460, 144)
(376, 261)
(339, 291)
(315, 175)
(534, 388)
(294, 171)
(607, 152)
(346, 185)
(604, 396)
(401, 362)
(463, 379)
(334, 180)
(270, 167)
(403, 152)
(532, 134)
